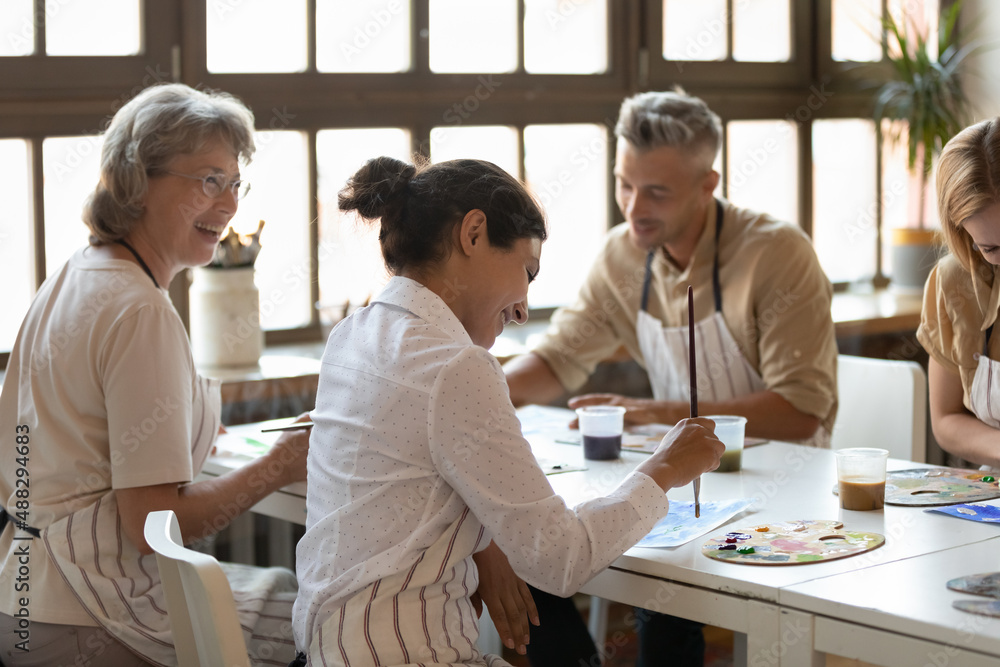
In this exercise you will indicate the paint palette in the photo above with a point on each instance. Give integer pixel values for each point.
(986, 585)
(790, 543)
(939, 486)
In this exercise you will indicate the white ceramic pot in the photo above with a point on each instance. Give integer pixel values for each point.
(225, 317)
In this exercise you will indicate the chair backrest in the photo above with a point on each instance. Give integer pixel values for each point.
(882, 403)
(200, 601)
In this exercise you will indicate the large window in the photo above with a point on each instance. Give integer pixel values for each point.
(533, 85)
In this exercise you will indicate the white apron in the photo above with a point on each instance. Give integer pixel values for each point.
(984, 397)
(723, 371)
(120, 588)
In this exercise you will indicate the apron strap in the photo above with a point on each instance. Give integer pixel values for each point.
(716, 283)
(646, 279)
(6, 518)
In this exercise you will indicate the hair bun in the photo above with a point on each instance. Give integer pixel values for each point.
(376, 188)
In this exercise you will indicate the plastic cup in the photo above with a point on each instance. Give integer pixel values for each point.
(730, 429)
(601, 427)
(861, 478)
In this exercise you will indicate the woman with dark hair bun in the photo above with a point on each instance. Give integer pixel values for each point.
(417, 465)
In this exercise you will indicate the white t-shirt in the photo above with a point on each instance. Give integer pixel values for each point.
(102, 376)
(413, 425)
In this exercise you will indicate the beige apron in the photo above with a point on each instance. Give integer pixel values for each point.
(119, 587)
(723, 372)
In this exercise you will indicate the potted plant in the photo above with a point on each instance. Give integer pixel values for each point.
(926, 94)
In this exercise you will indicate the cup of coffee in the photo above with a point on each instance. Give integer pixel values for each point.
(730, 429)
(601, 427)
(861, 478)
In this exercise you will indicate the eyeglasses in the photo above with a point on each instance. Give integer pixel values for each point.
(214, 185)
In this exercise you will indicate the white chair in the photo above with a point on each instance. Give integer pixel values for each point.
(199, 600)
(882, 403)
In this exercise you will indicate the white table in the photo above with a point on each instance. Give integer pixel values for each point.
(900, 613)
(784, 614)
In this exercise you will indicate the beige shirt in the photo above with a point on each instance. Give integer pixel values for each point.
(775, 300)
(958, 308)
(102, 376)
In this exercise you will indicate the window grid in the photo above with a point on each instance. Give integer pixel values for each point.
(44, 97)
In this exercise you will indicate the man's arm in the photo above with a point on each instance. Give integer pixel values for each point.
(531, 380)
(768, 414)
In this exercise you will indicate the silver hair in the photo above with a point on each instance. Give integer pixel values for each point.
(676, 119)
(157, 125)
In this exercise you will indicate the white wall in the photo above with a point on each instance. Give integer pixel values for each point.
(981, 21)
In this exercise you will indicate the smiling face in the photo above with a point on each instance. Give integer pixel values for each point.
(984, 228)
(663, 193)
(180, 224)
(496, 292)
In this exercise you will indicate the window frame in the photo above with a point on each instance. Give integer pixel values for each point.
(47, 96)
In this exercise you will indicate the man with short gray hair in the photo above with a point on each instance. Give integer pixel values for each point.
(766, 347)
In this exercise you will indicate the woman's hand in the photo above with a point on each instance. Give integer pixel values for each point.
(637, 410)
(506, 596)
(689, 449)
(289, 453)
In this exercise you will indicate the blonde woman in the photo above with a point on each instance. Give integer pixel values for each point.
(962, 299)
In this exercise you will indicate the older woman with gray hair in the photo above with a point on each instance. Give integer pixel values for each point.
(105, 419)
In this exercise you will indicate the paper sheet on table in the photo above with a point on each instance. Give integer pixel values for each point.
(243, 446)
(971, 511)
(555, 467)
(545, 419)
(680, 526)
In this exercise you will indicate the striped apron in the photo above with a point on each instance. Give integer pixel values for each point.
(120, 587)
(723, 371)
(420, 616)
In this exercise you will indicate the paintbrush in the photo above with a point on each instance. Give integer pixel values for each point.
(294, 426)
(694, 389)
